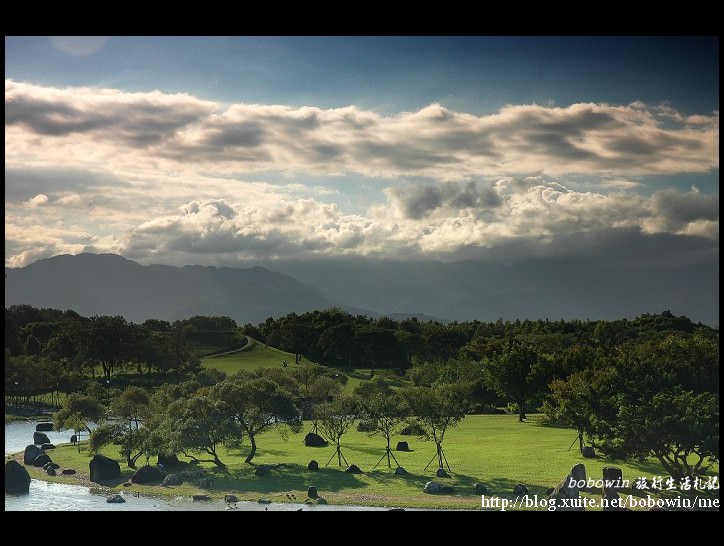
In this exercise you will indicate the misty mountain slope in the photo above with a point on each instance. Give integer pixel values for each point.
(109, 284)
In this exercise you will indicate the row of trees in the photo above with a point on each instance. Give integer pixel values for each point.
(196, 417)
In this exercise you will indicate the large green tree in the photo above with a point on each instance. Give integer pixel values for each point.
(257, 404)
(515, 373)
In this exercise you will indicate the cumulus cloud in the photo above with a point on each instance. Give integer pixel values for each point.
(173, 178)
(434, 141)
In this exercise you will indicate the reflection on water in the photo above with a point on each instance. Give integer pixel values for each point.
(60, 496)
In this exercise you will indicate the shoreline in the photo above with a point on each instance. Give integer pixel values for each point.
(161, 492)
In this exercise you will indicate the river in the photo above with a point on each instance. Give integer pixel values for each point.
(46, 496)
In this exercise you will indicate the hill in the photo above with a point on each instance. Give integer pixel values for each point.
(108, 284)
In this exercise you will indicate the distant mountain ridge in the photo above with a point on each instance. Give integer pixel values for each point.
(108, 284)
(103, 284)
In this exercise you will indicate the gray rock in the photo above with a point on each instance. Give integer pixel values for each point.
(588, 452)
(353, 469)
(201, 497)
(402, 446)
(173, 479)
(115, 499)
(17, 478)
(520, 490)
(312, 492)
(313, 465)
(412, 430)
(73, 439)
(40, 438)
(314, 440)
(432, 488)
(47, 446)
(612, 484)
(50, 471)
(480, 489)
(44, 427)
(399, 471)
(42, 460)
(104, 469)
(231, 498)
(441, 473)
(31, 453)
(54, 466)
(169, 461)
(147, 474)
(68, 472)
(264, 500)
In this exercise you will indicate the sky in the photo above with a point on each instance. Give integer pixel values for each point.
(228, 151)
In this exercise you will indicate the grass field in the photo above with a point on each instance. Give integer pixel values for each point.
(492, 449)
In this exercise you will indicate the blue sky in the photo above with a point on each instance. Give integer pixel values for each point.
(229, 150)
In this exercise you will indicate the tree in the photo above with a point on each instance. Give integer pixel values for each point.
(335, 418)
(132, 406)
(384, 411)
(109, 341)
(257, 403)
(200, 423)
(79, 408)
(436, 409)
(514, 374)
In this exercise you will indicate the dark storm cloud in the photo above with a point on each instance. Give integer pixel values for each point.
(678, 209)
(418, 201)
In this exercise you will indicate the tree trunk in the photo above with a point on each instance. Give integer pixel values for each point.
(339, 454)
(521, 411)
(253, 449)
(439, 455)
(580, 441)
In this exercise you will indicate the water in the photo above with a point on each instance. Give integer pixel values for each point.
(60, 497)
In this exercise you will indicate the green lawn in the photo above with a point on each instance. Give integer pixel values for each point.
(492, 449)
(256, 355)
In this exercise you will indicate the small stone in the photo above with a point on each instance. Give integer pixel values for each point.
(313, 466)
(588, 452)
(480, 489)
(402, 446)
(264, 500)
(399, 471)
(312, 492)
(50, 471)
(230, 498)
(115, 499)
(201, 497)
(68, 472)
(353, 469)
(441, 473)
(520, 490)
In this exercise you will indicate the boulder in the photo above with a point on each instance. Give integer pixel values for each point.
(173, 479)
(353, 469)
(147, 474)
(314, 440)
(612, 484)
(68, 472)
(127, 484)
(312, 492)
(402, 446)
(73, 439)
(432, 488)
(399, 471)
(588, 452)
(206, 483)
(115, 499)
(50, 471)
(262, 470)
(40, 438)
(441, 473)
(17, 479)
(231, 498)
(31, 453)
(313, 465)
(264, 500)
(201, 497)
(54, 466)
(578, 472)
(520, 490)
(42, 460)
(45, 447)
(480, 488)
(44, 427)
(169, 461)
(104, 469)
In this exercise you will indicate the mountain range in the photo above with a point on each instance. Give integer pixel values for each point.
(108, 284)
